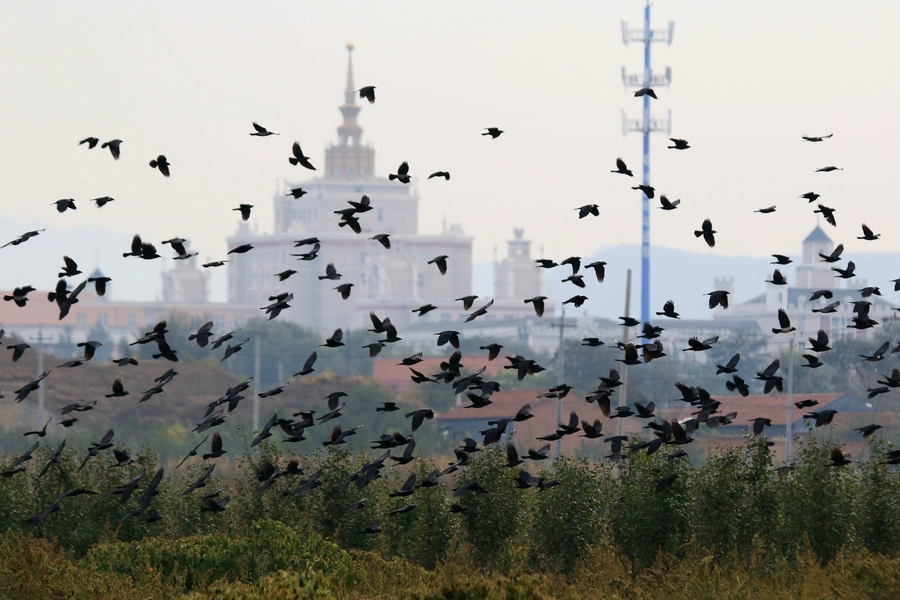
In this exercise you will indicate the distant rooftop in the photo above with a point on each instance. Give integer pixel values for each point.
(817, 235)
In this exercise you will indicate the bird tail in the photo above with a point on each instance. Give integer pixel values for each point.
(697, 233)
(293, 160)
(392, 177)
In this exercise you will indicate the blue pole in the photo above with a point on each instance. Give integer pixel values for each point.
(645, 229)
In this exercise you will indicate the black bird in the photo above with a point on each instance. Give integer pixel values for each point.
(243, 248)
(493, 132)
(90, 141)
(335, 340)
(648, 190)
(402, 174)
(827, 213)
(538, 302)
(759, 423)
(215, 448)
(645, 92)
(817, 138)
(18, 350)
(838, 459)
(407, 489)
(22, 238)
(868, 430)
(193, 452)
(667, 204)
(730, 367)
(367, 92)
(679, 144)
(229, 350)
(295, 192)
(65, 204)
(878, 354)
(308, 365)
(822, 417)
(261, 131)
(829, 169)
(777, 278)
(298, 158)
(213, 505)
(665, 482)
(813, 361)
(847, 273)
(201, 481)
(425, 309)
(244, 209)
(383, 239)
(867, 234)
(588, 209)
(707, 232)
(344, 290)
(493, 350)
(767, 210)
(835, 255)
(443, 174)
(20, 295)
(26, 456)
(118, 390)
(161, 163)
(718, 298)
(808, 403)
(820, 342)
(113, 146)
(599, 267)
(811, 196)
(441, 262)
(419, 416)
(695, 345)
(784, 323)
(102, 201)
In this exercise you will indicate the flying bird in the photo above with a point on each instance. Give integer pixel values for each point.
(493, 132)
(113, 146)
(707, 232)
(298, 158)
(679, 144)
(622, 168)
(161, 163)
(444, 174)
(645, 92)
(667, 204)
(402, 174)
(244, 209)
(440, 262)
(367, 92)
(809, 138)
(261, 131)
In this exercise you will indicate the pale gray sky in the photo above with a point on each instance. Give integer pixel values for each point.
(187, 78)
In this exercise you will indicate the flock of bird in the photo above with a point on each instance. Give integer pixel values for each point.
(474, 385)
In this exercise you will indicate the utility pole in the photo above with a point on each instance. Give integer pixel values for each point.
(788, 434)
(623, 395)
(256, 383)
(646, 125)
(560, 367)
(40, 371)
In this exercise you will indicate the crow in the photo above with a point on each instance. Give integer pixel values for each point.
(666, 204)
(298, 158)
(440, 262)
(261, 131)
(367, 92)
(493, 132)
(113, 146)
(707, 232)
(161, 163)
(402, 174)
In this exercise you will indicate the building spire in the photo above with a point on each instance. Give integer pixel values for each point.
(349, 159)
(350, 92)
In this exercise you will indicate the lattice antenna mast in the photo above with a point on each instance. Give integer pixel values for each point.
(646, 125)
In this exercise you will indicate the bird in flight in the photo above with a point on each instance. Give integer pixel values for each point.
(367, 92)
(708, 233)
(679, 144)
(622, 168)
(261, 131)
(493, 132)
(402, 174)
(161, 163)
(298, 158)
(646, 92)
(809, 138)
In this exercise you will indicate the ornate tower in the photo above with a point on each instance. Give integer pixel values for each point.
(349, 159)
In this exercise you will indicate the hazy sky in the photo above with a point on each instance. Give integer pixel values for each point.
(187, 78)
